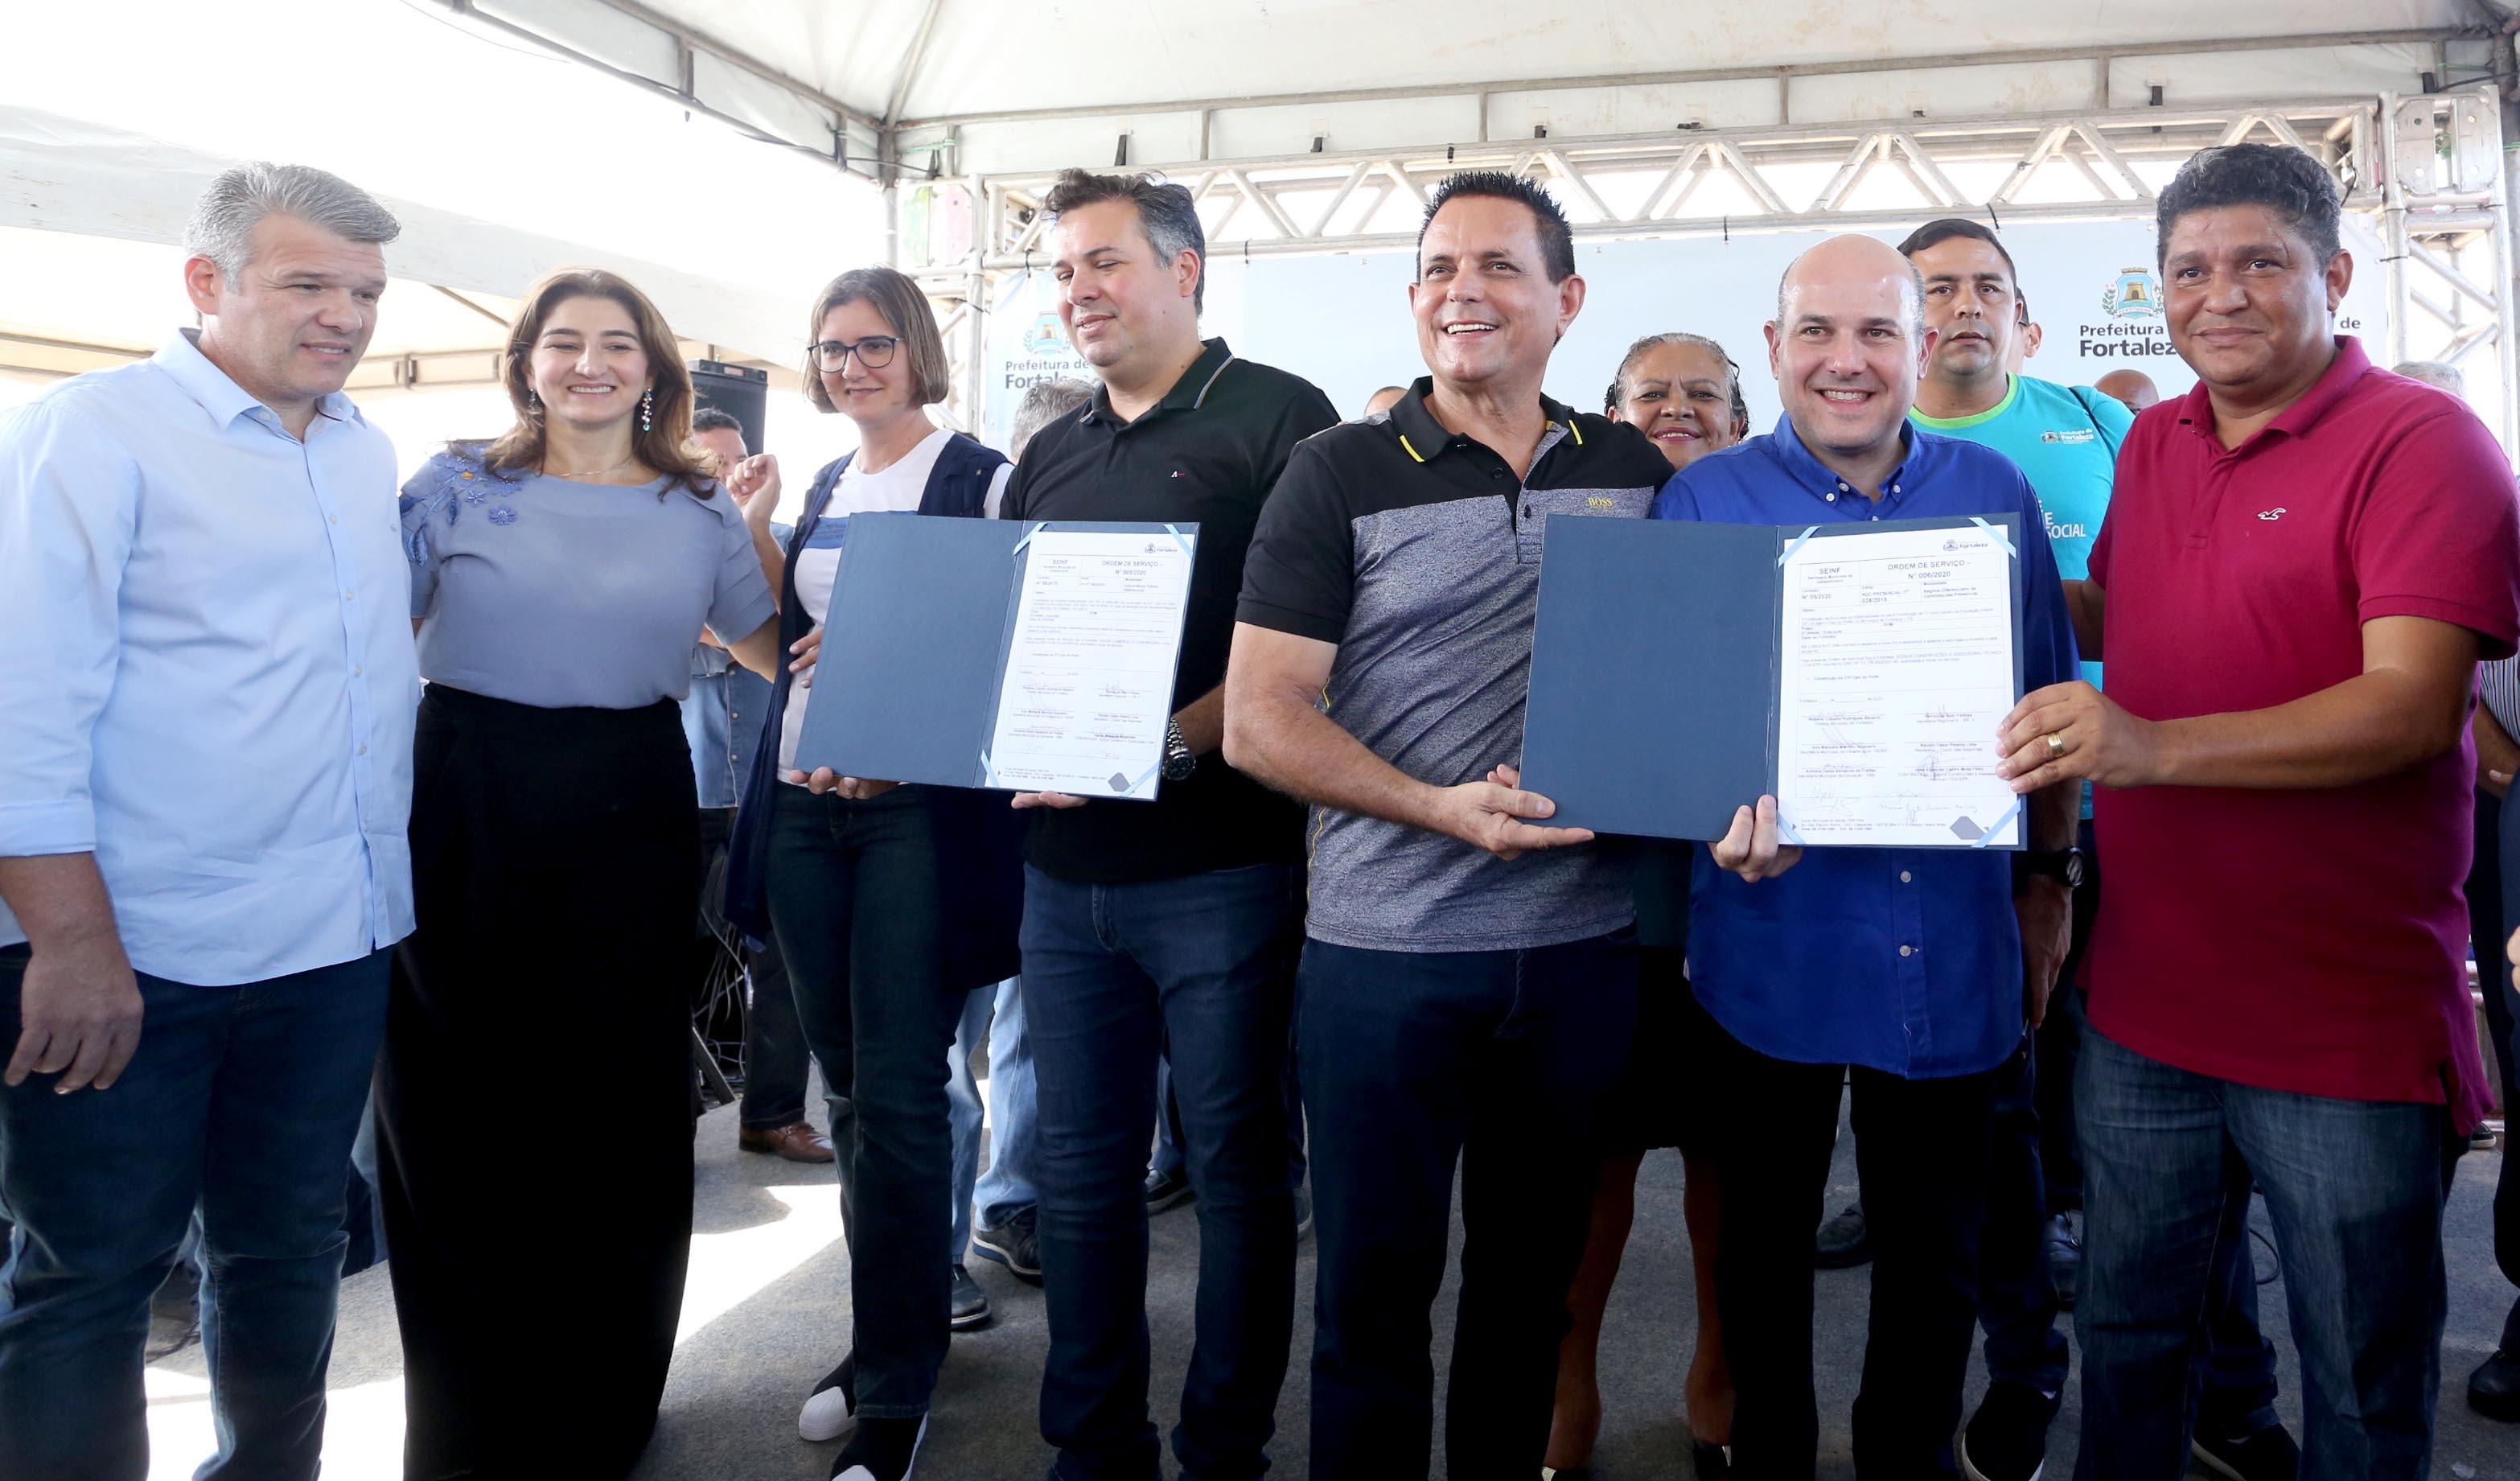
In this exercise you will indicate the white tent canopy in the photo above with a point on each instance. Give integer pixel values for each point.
(64, 176)
(976, 86)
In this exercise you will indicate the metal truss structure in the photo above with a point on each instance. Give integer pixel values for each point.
(2427, 170)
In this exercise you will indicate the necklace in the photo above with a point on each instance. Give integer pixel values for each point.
(592, 472)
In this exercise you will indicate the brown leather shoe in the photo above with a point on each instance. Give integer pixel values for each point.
(797, 1142)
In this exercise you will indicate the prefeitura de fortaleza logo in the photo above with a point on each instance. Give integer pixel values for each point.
(2136, 294)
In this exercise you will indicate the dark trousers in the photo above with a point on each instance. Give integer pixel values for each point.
(2493, 912)
(1502, 1063)
(1921, 1147)
(774, 1041)
(555, 867)
(856, 901)
(2016, 1290)
(243, 1101)
(1201, 965)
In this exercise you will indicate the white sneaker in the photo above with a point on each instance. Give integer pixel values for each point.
(832, 1409)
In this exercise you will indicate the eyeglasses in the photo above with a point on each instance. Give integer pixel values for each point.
(874, 352)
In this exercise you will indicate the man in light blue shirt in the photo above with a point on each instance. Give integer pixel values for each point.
(205, 727)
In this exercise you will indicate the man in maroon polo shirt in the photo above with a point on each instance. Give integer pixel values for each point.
(2302, 559)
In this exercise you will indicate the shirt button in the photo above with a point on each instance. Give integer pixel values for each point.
(348, 594)
(1833, 498)
(331, 519)
(363, 750)
(1905, 877)
(1906, 951)
(358, 671)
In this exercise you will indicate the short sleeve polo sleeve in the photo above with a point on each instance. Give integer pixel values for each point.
(1300, 577)
(2439, 535)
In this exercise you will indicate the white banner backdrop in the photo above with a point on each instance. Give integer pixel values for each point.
(1343, 322)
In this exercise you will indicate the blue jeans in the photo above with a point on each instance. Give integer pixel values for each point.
(1502, 1063)
(853, 892)
(244, 1099)
(1167, 1160)
(1203, 964)
(2354, 1189)
(998, 1012)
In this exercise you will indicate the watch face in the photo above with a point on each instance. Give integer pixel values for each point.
(2074, 869)
(1179, 766)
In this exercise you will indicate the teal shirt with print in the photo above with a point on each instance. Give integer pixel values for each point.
(2065, 440)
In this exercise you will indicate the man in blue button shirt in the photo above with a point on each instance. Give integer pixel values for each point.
(205, 732)
(1909, 965)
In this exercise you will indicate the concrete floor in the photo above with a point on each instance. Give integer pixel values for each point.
(766, 1314)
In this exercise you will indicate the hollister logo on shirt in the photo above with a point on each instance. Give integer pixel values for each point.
(2077, 435)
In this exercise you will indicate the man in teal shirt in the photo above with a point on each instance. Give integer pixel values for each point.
(2066, 439)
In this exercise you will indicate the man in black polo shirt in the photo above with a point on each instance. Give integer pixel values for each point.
(1168, 924)
(1469, 985)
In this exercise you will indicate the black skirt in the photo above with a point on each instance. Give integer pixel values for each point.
(555, 867)
(1668, 1098)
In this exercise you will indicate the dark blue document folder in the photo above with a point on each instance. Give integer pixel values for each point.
(1654, 668)
(914, 645)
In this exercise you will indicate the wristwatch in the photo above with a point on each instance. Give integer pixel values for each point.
(1179, 762)
(2065, 865)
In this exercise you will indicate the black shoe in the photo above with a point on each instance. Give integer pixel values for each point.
(1842, 1242)
(2493, 1389)
(832, 1409)
(2267, 1456)
(2065, 1259)
(1166, 1190)
(884, 1450)
(970, 1307)
(2006, 1439)
(1014, 1244)
(1710, 1461)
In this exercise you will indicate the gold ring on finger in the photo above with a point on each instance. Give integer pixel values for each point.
(2055, 747)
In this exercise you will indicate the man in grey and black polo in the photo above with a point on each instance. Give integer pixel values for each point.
(1468, 982)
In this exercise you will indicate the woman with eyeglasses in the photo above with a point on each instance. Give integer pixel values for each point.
(890, 903)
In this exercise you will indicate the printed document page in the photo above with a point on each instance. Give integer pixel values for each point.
(1897, 669)
(1089, 680)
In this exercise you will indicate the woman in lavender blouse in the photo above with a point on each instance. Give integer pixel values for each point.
(559, 575)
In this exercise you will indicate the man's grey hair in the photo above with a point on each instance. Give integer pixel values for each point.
(237, 200)
(1044, 404)
(2437, 374)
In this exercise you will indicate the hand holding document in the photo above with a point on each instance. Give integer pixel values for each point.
(1896, 663)
(1088, 671)
(1853, 671)
(1028, 658)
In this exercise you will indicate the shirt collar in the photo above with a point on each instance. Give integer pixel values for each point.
(1824, 483)
(1425, 439)
(1187, 393)
(181, 358)
(2197, 410)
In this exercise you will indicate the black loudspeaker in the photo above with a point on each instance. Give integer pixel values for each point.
(741, 391)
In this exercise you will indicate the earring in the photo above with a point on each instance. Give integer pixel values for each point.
(648, 410)
(533, 402)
